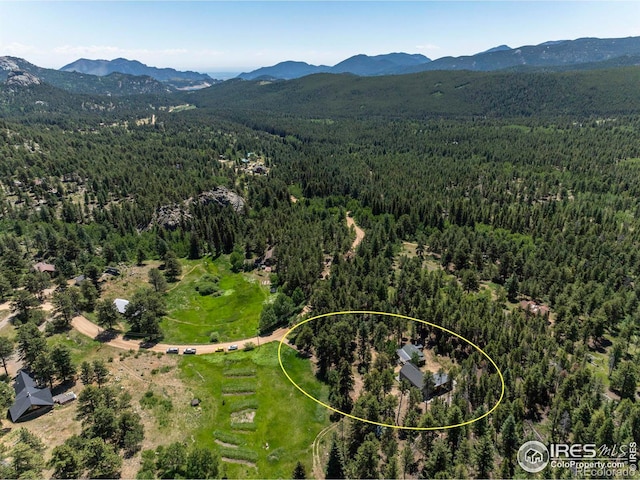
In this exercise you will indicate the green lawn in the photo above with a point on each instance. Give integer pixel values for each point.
(284, 419)
(234, 315)
(82, 347)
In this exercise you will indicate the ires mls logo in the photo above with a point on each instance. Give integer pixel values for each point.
(533, 456)
(584, 459)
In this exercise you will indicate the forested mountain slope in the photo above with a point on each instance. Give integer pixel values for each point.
(423, 95)
(516, 190)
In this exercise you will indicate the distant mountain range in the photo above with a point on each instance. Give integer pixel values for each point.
(13, 69)
(362, 65)
(179, 80)
(558, 54)
(130, 77)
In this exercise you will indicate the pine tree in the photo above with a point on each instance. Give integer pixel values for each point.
(157, 280)
(6, 351)
(334, 469)
(484, 456)
(172, 267)
(299, 471)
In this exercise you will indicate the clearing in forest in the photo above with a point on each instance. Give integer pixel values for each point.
(253, 428)
(232, 310)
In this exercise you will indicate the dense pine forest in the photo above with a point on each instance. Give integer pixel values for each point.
(472, 218)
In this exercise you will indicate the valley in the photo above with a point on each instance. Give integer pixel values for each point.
(499, 207)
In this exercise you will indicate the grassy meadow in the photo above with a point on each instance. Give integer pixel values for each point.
(258, 421)
(234, 313)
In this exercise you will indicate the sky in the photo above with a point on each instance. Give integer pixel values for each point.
(219, 36)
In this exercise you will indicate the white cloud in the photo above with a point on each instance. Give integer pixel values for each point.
(55, 56)
(16, 49)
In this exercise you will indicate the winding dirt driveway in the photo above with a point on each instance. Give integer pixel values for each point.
(359, 232)
(90, 329)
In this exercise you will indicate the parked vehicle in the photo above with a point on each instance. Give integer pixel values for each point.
(233, 347)
(173, 350)
(189, 351)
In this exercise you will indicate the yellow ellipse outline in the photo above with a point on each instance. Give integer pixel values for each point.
(400, 427)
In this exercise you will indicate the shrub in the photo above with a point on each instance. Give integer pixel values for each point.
(214, 337)
(207, 277)
(206, 288)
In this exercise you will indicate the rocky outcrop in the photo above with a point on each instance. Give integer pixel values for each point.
(19, 78)
(223, 197)
(171, 216)
(8, 64)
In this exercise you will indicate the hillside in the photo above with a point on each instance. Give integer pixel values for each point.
(112, 84)
(548, 54)
(363, 65)
(561, 54)
(609, 91)
(170, 76)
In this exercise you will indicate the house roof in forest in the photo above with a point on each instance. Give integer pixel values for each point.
(412, 374)
(440, 379)
(28, 395)
(121, 304)
(407, 351)
(44, 267)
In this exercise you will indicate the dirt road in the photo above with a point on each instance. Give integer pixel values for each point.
(90, 329)
(359, 232)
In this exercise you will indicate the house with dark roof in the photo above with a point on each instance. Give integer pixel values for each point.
(415, 377)
(31, 401)
(411, 352)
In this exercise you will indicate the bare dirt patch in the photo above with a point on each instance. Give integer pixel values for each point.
(244, 416)
(359, 232)
(131, 279)
(225, 444)
(131, 373)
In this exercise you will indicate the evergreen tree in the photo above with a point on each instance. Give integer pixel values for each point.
(509, 443)
(62, 362)
(172, 267)
(7, 395)
(100, 372)
(299, 471)
(107, 313)
(66, 462)
(484, 456)
(334, 468)
(157, 280)
(31, 343)
(86, 373)
(6, 351)
(366, 461)
(202, 463)
(22, 305)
